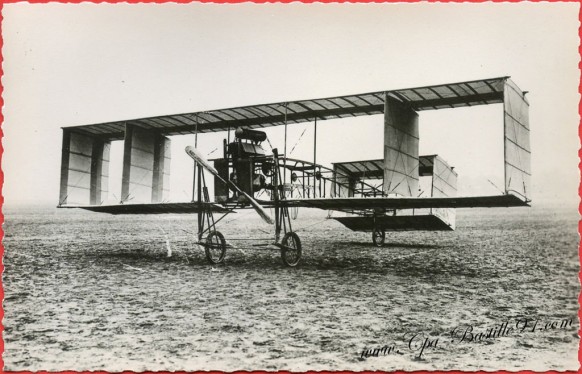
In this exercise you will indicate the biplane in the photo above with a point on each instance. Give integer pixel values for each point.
(377, 195)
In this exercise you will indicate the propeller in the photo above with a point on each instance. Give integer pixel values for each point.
(199, 158)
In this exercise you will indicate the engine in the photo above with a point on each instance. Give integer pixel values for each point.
(245, 163)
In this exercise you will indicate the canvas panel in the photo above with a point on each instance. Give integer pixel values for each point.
(146, 166)
(516, 141)
(84, 163)
(401, 137)
(444, 184)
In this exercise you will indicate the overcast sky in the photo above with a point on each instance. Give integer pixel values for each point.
(75, 64)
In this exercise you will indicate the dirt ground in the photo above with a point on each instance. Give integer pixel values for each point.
(85, 291)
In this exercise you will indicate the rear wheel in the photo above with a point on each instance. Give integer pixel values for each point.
(215, 247)
(379, 237)
(291, 249)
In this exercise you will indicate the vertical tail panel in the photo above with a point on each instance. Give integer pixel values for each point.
(138, 165)
(444, 184)
(105, 171)
(444, 179)
(126, 163)
(146, 166)
(80, 163)
(161, 175)
(165, 177)
(84, 169)
(400, 148)
(64, 193)
(96, 163)
(516, 143)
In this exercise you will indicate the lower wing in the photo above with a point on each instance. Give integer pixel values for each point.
(355, 203)
(157, 208)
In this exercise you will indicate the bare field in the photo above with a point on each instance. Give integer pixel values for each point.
(85, 291)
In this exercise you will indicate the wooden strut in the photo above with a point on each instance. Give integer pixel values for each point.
(195, 165)
(282, 218)
(205, 215)
(285, 148)
(201, 214)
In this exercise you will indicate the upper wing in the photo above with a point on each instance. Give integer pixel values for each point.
(356, 203)
(158, 208)
(452, 95)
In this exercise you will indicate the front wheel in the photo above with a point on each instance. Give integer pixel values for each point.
(215, 247)
(379, 237)
(291, 249)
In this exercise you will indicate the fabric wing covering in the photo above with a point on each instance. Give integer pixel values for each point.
(453, 95)
(403, 104)
(357, 203)
(517, 146)
(401, 144)
(158, 208)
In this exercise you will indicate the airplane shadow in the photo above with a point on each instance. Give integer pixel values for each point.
(394, 258)
(393, 245)
(367, 260)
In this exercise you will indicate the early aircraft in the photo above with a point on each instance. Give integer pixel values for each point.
(249, 176)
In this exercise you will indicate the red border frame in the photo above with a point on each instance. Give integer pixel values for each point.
(285, 2)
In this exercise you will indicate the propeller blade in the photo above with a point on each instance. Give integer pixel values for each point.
(259, 209)
(199, 158)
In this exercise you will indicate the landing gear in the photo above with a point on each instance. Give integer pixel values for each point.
(291, 249)
(290, 245)
(215, 247)
(379, 237)
(215, 244)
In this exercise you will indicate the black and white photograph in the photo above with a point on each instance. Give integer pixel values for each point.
(291, 187)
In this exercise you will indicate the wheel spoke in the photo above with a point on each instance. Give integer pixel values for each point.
(215, 247)
(378, 237)
(291, 249)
